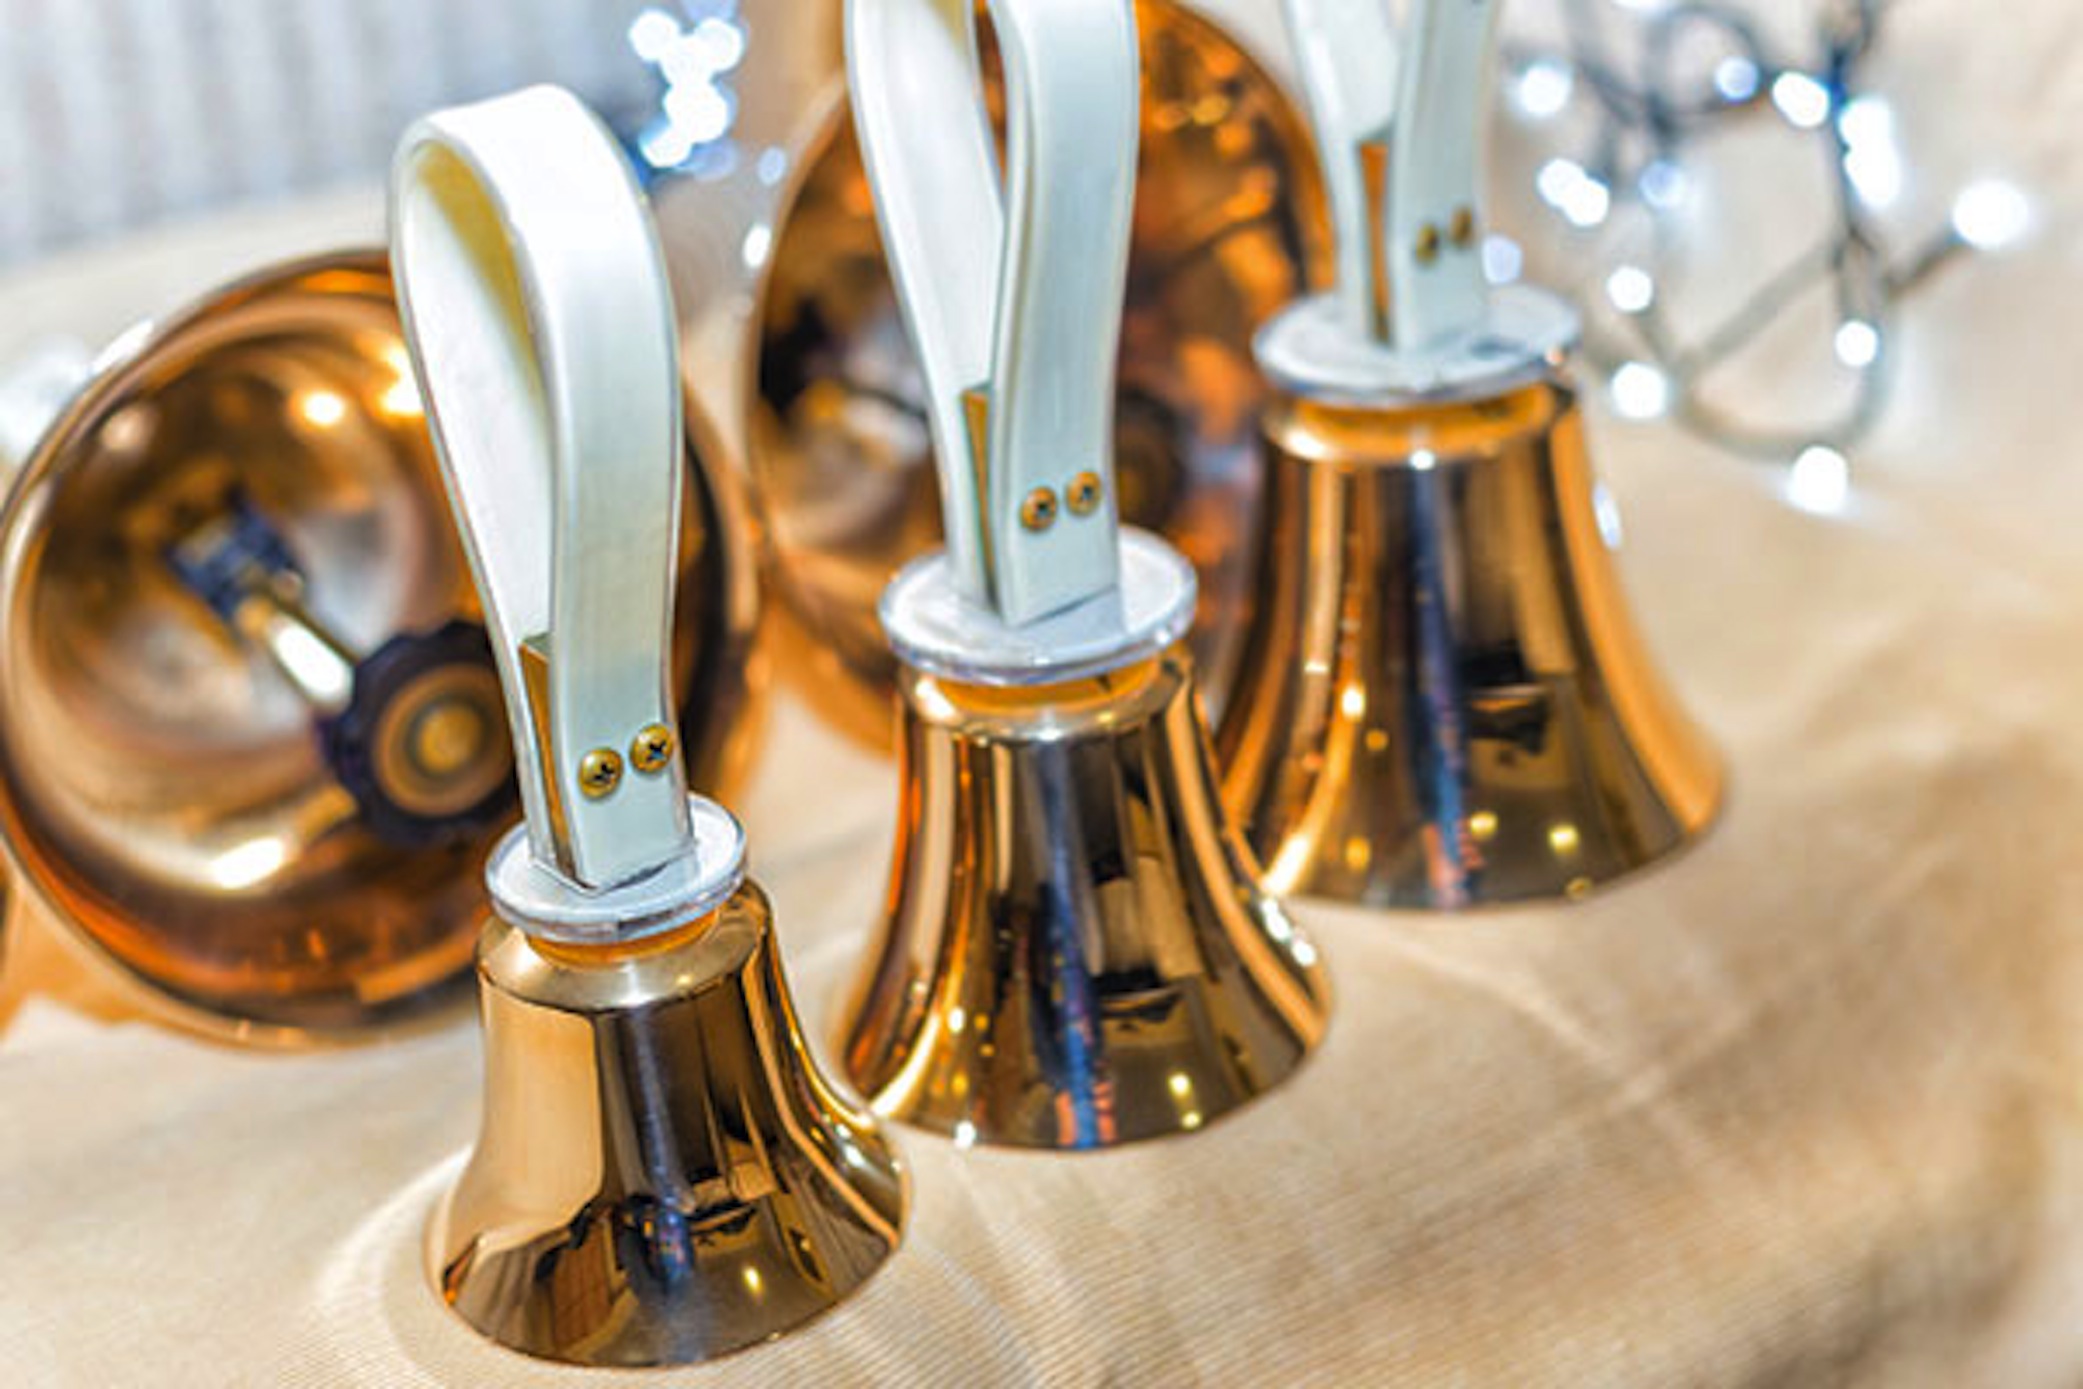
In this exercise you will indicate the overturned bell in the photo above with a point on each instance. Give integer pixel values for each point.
(662, 1175)
(251, 748)
(1228, 229)
(1075, 953)
(249, 727)
(1445, 702)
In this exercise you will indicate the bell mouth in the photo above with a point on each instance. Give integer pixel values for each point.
(254, 755)
(1229, 229)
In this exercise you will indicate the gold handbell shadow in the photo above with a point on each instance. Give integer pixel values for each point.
(1074, 953)
(1445, 702)
(167, 797)
(662, 1175)
(1229, 228)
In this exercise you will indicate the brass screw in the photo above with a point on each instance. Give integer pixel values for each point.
(1038, 512)
(652, 749)
(1083, 494)
(1428, 244)
(600, 772)
(1464, 227)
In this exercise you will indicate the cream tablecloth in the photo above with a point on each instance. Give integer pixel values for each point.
(1803, 1107)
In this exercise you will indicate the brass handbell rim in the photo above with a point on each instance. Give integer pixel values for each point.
(730, 1202)
(1075, 955)
(1485, 727)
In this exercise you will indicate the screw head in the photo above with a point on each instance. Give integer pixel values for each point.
(1463, 230)
(1083, 494)
(651, 751)
(1428, 244)
(600, 772)
(1038, 512)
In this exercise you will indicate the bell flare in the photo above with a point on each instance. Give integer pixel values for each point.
(1446, 702)
(1075, 952)
(663, 1174)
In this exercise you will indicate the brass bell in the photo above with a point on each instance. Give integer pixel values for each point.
(1228, 228)
(662, 1175)
(1075, 953)
(1445, 702)
(250, 732)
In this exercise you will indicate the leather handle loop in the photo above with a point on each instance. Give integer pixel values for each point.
(536, 303)
(1399, 130)
(1012, 289)
(1435, 224)
(1346, 52)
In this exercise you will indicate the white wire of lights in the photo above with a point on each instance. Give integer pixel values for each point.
(1648, 108)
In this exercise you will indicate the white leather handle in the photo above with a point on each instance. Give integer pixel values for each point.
(1346, 50)
(1012, 293)
(536, 304)
(1400, 136)
(1435, 217)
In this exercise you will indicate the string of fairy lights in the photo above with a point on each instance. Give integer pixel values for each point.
(1635, 90)
(1640, 85)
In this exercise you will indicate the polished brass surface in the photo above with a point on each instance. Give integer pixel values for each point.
(1445, 701)
(662, 1175)
(1075, 953)
(1229, 214)
(168, 786)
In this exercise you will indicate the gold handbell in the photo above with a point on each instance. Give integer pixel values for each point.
(1445, 702)
(662, 1175)
(1075, 952)
(252, 750)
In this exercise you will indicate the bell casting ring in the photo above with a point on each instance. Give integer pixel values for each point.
(662, 1175)
(1479, 721)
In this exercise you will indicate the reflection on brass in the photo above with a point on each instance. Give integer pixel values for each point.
(1374, 174)
(1447, 703)
(662, 1174)
(651, 751)
(1076, 953)
(1229, 213)
(1084, 493)
(600, 772)
(243, 758)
